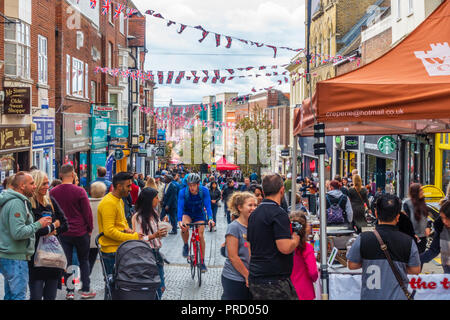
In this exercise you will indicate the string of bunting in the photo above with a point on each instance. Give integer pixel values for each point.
(169, 77)
(180, 120)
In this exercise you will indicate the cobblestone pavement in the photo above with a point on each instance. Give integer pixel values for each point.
(179, 284)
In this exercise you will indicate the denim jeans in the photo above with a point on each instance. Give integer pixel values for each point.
(109, 259)
(214, 208)
(16, 277)
(163, 284)
(82, 245)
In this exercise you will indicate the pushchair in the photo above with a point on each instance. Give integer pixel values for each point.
(135, 276)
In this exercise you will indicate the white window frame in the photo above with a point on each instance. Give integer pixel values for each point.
(399, 10)
(68, 74)
(42, 59)
(22, 45)
(110, 54)
(86, 80)
(122, 23)
(410, 7)
(77, 77)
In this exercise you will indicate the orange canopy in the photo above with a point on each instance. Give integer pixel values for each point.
(405, 91)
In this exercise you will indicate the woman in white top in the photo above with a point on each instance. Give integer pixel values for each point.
(145, 223)
(98, 190)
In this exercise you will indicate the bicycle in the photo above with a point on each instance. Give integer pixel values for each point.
(195, 258)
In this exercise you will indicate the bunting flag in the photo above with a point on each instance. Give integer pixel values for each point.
(170, 77)
(106, 6)
(204, 34)
(170, 23)
(130, 13)
(182, 27)
(274, 50)
(196, 79)
(160, 77)
(93, 4)
(217, 73)
(231, 71)
(229, 39)
(205, 79)
(205, 72)
(214, 80)
(217, 40)
(118, 11)
(222, 80)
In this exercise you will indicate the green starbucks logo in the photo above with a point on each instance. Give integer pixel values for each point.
(387, 145)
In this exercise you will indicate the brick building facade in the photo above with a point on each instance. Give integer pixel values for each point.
(53, 48)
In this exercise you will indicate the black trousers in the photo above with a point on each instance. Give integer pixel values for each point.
(273, 290)
(235, 290)
(82, 245)
(43, 289)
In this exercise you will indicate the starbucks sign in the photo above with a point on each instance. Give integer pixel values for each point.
(386, 145)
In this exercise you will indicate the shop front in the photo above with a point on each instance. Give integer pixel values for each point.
(15, 147)
(99, 148)
(44, 145)
(380, 154)
(442, 161)
(77, 145)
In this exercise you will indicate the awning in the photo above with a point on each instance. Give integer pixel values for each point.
(405, 91)
(224, 165)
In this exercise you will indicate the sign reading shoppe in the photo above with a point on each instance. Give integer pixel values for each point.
(17, 100)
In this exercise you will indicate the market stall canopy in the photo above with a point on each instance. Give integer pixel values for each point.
(223, 165)
(405, 91)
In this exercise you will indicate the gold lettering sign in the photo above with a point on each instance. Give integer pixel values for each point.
(17, 100)
(15, 137)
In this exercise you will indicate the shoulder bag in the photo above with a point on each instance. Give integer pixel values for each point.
(409, 296)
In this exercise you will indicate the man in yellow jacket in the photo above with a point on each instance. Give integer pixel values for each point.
(112, 221)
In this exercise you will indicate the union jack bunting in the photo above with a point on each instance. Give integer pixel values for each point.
(231, 71)
(106, 6)
(118, 11)
(130, 12)
(93, 4)
(229, 42)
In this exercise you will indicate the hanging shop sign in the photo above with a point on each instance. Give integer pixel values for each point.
(387, 145)
(119, 131)
(119, 154)
(17, 100)
(351, 143)
(15, 137)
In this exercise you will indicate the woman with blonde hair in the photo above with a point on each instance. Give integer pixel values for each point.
(236, 269)
(44, 281)
(359, 200)
(151, 183)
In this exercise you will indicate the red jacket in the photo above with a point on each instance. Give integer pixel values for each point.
(134, 193)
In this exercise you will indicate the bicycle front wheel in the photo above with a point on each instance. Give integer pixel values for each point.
(199, 264)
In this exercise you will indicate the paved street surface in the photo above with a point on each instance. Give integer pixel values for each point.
(179, 283)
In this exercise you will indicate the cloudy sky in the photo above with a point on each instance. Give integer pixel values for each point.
(278, 23)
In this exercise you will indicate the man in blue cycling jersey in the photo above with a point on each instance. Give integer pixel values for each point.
(191, 209)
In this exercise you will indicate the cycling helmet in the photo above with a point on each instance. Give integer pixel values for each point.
(193, 178)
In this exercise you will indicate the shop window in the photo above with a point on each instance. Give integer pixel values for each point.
(17, 49)
(445, 169)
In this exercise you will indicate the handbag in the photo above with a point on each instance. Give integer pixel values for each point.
(50, 254)
(409, 296)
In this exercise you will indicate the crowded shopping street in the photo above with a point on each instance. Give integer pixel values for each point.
(145, 157)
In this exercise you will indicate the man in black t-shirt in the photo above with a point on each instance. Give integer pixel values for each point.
(272, 245)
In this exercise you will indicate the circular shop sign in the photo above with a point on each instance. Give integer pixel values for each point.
(386, 145)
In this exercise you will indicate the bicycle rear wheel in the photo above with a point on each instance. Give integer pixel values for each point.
(199, 264)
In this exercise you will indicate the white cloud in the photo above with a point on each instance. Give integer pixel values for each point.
(278, 23)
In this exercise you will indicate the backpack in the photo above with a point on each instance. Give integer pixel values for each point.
(335, 213)
(187, 192)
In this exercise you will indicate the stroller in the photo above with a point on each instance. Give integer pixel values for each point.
(136, 275)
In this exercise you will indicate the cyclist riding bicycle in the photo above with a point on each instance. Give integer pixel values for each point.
(192, 202)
